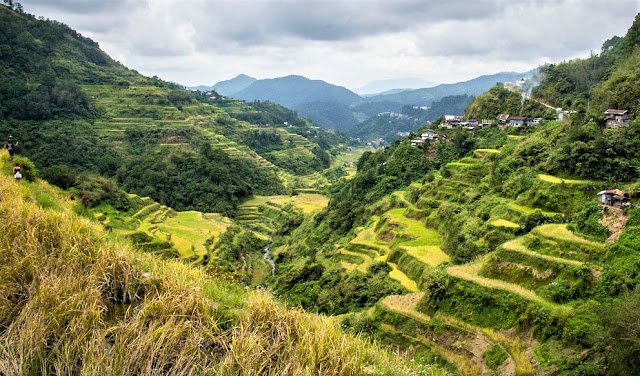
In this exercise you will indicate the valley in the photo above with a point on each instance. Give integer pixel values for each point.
(157, 230)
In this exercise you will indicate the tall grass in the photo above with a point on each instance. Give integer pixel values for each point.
(74, 301)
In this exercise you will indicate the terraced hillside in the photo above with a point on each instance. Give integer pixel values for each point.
(76, 301)
(79, 111)
(491, 258)
(162, 230)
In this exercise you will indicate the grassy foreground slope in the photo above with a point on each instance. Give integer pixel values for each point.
(75, 301)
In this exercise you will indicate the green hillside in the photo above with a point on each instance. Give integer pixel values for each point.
(78, 301)
(72, 107)
(484, 252)
(604, 80)
(491, 243)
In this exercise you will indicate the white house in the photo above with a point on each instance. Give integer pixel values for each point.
(429, 135)
(417, 142)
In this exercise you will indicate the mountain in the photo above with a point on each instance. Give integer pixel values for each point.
(335, 107)
(291, 91)
(476, 86)
(234, 85)
(317, 100)
(392, 85)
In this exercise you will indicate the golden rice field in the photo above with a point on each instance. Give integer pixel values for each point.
(404, 280)
(503, 223)
(556, 180)
(307, 202)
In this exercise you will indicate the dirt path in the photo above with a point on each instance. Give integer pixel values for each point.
(615, 221)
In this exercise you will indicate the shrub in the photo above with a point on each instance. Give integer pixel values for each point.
(495, 356)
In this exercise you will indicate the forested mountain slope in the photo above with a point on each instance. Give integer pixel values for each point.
(602, 81)
(73, 109)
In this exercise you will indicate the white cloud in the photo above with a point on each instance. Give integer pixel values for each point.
(343, 42)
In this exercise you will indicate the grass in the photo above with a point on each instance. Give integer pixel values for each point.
(556, 180)
(470, 272)
(426, 244)
(190, 230)
(399, 276)
(516, 348)
(484, 152)
(406, 305)
(517, 245)
(75, 301)
(561, 232)
(528, 210)
(503, 223)
(366, 260)
(307, 202)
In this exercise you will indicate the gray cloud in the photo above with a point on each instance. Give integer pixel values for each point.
(325, 38)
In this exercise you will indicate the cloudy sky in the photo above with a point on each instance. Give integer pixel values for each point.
(348, 43)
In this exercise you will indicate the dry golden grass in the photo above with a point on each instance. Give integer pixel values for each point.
(406, 305)
(503, 223)
(74, 301)
(561, 232)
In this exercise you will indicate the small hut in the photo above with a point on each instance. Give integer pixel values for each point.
(613, 197)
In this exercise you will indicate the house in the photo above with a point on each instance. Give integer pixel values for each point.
(486, 123)
(517, 121)
(613, 197)
(417, 142)
(616, 118)
(451, 121)
(532, 121)
(429, 135)
(503, 119)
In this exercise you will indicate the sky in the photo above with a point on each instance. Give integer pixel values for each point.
(348, 43)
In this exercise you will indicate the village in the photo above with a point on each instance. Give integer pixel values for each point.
(613, 119)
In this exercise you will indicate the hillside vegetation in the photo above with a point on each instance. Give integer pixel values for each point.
(73, 110)
(75, 301)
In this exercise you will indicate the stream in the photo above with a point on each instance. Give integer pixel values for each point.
(267, 256)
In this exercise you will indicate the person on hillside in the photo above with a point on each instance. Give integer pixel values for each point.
(11, 146)
(17, 173)
(85, 201)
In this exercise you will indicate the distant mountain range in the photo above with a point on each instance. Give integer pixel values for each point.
(476, 86)
(336, 107)
(392, 85)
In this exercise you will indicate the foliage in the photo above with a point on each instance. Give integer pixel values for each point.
(70, 290)
(495, 101)
(495, 356)
(586, 223)
(620, 321)
(27, 168)
(327, 290)
(379, 174)
(102, 190)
